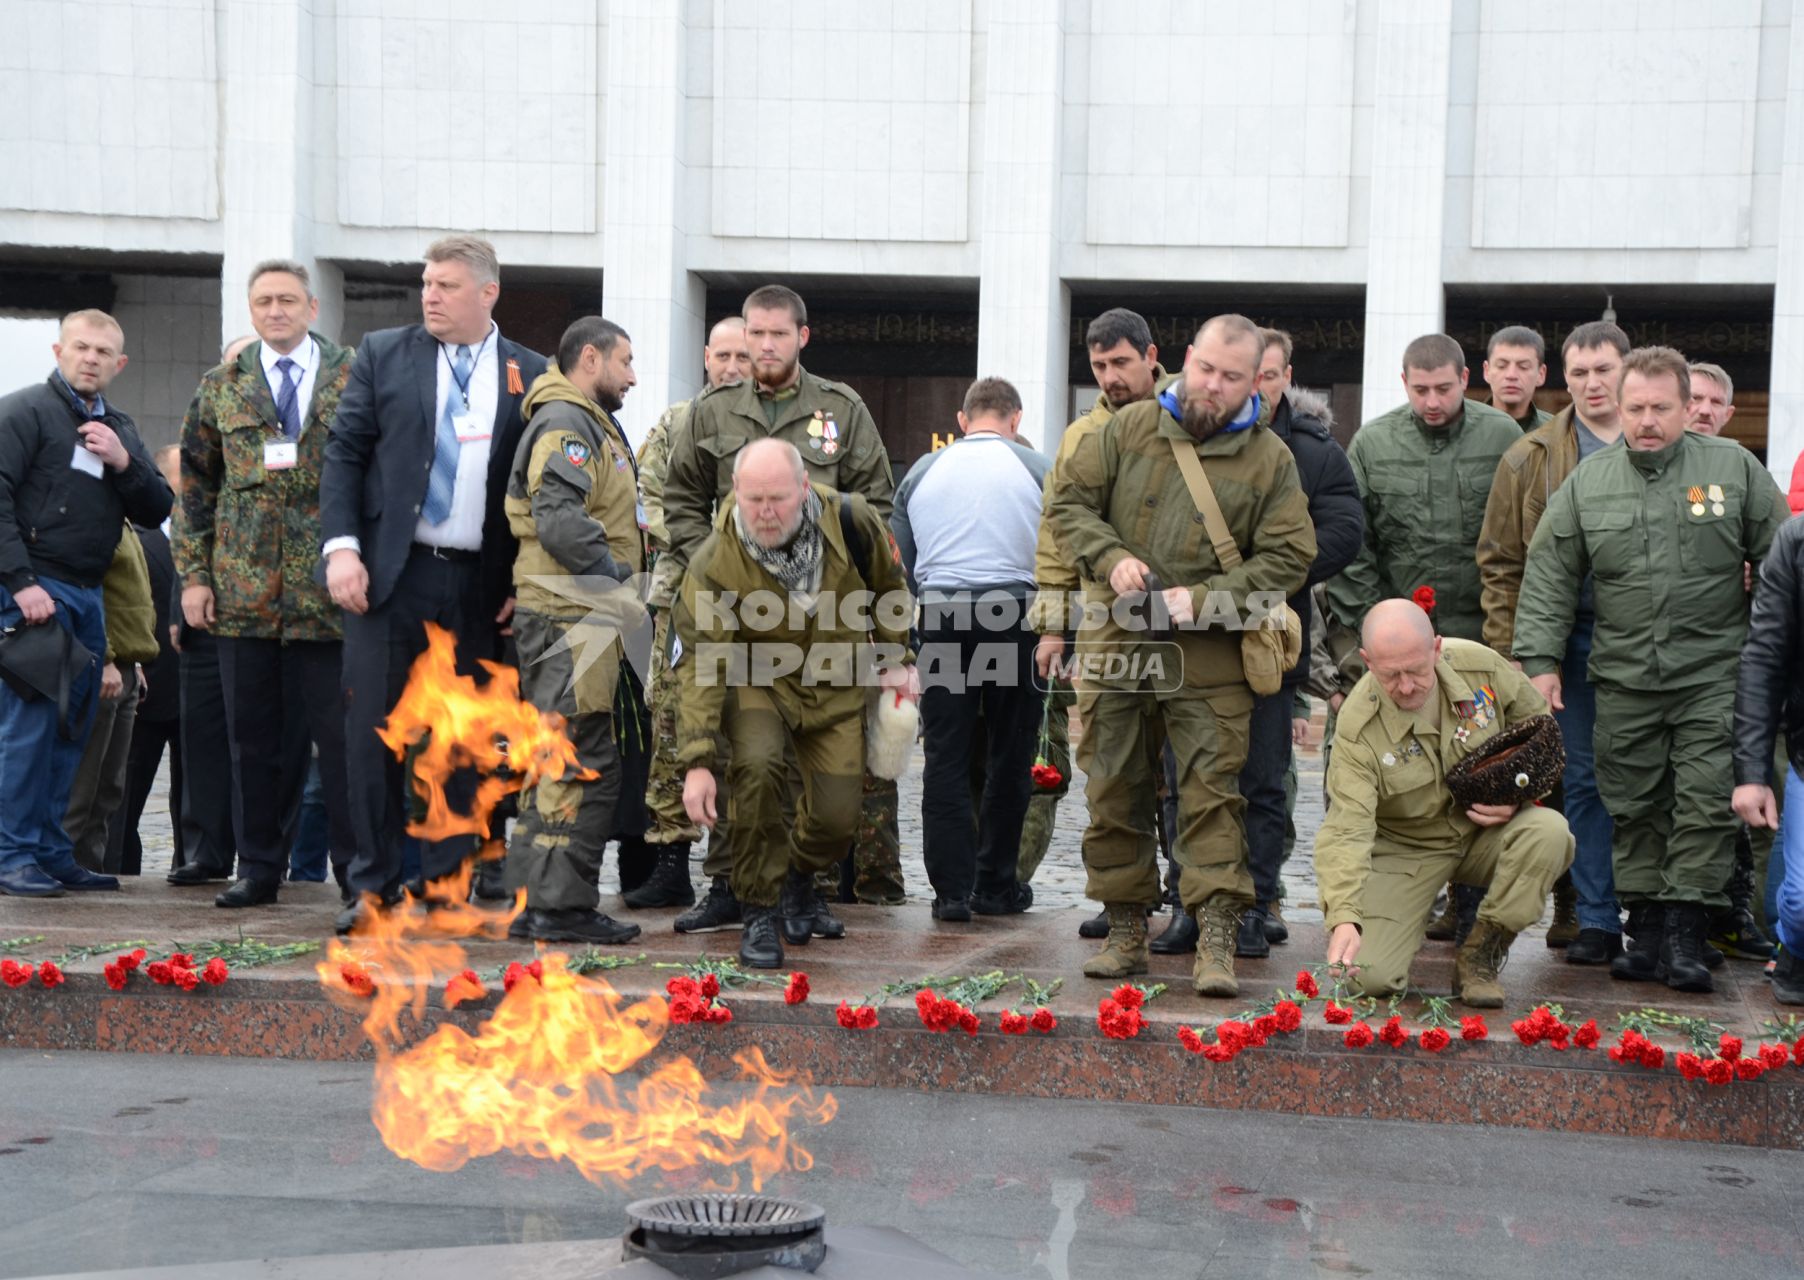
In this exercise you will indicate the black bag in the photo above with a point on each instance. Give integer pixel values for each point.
(44, 661)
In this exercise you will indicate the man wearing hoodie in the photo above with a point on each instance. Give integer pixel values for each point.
(572, 501)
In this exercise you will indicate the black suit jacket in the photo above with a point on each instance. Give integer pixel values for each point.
(163, 673)
(379, 457)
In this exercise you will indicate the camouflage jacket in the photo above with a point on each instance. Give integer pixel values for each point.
(654, 465)
(250, 532)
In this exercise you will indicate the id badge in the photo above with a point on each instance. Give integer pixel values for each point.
(280, 455)
(89, 464)
(470, 429)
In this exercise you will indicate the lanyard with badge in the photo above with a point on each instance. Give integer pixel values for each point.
(86, 460)
(469, 429)
(282, 455)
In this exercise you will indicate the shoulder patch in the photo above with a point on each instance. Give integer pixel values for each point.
(576, 453)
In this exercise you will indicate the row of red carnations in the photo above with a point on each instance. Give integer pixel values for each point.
(177, 971)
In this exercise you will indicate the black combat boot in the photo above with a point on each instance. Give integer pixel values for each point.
(1250, 943)
(1276, 931)
(580, 925)
(1788, 977)
(1097, 926)
(796, 907)
(1640, 958)
(1682, 948)
(1466, 898)
(489, 884)
(1179, 937)
(1564, 930)
(718, 910)
(761, 946)
(668, 884)
(1594, 946)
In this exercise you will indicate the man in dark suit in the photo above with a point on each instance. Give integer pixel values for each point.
(159, 713)
(414, 530)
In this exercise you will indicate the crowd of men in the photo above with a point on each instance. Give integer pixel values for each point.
(1199, 552)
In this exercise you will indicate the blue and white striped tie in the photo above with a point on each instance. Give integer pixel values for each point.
(443, 481)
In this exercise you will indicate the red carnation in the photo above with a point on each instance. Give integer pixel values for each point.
(1128, 996)
(1586, 1037)
(1774, 1056)
(1473, 1027)
(537, 970)
(1288, 1014)
(717, 1013)
(1186, 1037)
(867, 1017)
(115, 975)
(797, 990)
(1797, 1052)
(132, 961)
(354, 976)
(681, 986)
(1046, 776)
(1424, 598)
(1306, 986)
(14, 974)
(187, 979)
(1728, 1048)
(1653, 1057)
(215, 972)
(1393, 1034)
(181, 960)
(1716, 1071)
(1118, 1023)
(462, 986)
(846, 1015)
(1337, 1015)
(1012, 1023)
(50, 975)
(160, 972)
(1749, 1068)
(710, 985)
(1690, 1066)
(1358, 1036)
(1043, 1021)
(967, 1020)
(1236, 1035)
(1435, 1039)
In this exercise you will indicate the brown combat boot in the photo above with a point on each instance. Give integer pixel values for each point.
(1565, 927)
(1477, 964)
(1445, 921)
(1218, 919)
(1124, 954)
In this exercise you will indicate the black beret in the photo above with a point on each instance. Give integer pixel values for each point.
(1521, 764)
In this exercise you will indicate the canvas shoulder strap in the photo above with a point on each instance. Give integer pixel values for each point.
(1203, 494)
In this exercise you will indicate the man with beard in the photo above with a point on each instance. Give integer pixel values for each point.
(839, 445)
(801, 692)
(1126, 366)
(1664, 529)
(725, 363)
(572, 500)
(1125, 510)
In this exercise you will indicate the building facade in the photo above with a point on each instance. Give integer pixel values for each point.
(955, 186)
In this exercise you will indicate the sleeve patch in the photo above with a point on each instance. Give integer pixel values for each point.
(576, 453)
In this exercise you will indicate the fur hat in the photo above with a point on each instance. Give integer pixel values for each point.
(1521, 764)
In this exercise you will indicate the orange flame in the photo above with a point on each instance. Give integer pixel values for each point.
(447, 722)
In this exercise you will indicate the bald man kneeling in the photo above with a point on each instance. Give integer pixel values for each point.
(1394, 834)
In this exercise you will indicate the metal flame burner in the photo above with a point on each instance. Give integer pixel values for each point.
(704, 1236)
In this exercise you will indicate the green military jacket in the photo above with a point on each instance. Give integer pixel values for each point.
(1425, 495)
(707, 620)
(249, 532)
(1531, 470)
(131, 615)
(1122, 494)
(1386, 781)
(1054, 577)
(572, 501)
(825, 421)
(1664, 536)
(654, 466)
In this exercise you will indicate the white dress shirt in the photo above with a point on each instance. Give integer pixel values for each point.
(306, 359)
(462, 529)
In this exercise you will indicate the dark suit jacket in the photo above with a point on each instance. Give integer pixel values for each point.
(162, 674)
(379, 457)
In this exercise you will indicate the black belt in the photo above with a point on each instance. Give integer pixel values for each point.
(451, 554)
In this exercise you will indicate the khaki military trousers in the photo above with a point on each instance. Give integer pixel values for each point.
(1516, 864)
(1118, 752)
(830, 761)
(555, 850)
(1665, 771)
(664, 787)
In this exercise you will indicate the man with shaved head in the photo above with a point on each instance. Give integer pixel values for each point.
(1394, 833)
(774, 627)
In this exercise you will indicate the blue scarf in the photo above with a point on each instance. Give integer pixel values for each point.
(1248, 415)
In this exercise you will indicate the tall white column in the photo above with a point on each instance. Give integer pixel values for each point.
(1785, 421)
(1404, 298)
(266, 132)
(1023, 308)
(646, 285)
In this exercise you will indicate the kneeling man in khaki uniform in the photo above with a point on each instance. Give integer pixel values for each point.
(1394, 835)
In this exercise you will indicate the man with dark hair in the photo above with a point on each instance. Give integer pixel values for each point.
(832, 430)
(253, 448)
(1663, 529)
(572, 500)
(965, 521)
(414, 530)
(1515, 368)
(725, 362)
(60, 522)
(1424, 470)
(1129, 507)
(1586, 919)
(1125, 364)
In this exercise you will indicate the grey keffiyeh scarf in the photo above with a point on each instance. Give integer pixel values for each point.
(798, 565)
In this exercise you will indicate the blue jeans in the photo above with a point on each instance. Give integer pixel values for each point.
(37, 767)
(1785, 899)
(1593, 878)
(307, 859)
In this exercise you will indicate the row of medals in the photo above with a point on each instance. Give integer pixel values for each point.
(1697, 495)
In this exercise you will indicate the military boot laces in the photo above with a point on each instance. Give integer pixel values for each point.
(1682, 948)
(1640, 958)
(1218, 924)
(1124, 954)
(1478, 964)
(668, 884)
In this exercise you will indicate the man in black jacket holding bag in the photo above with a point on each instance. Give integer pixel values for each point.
(72, 469)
